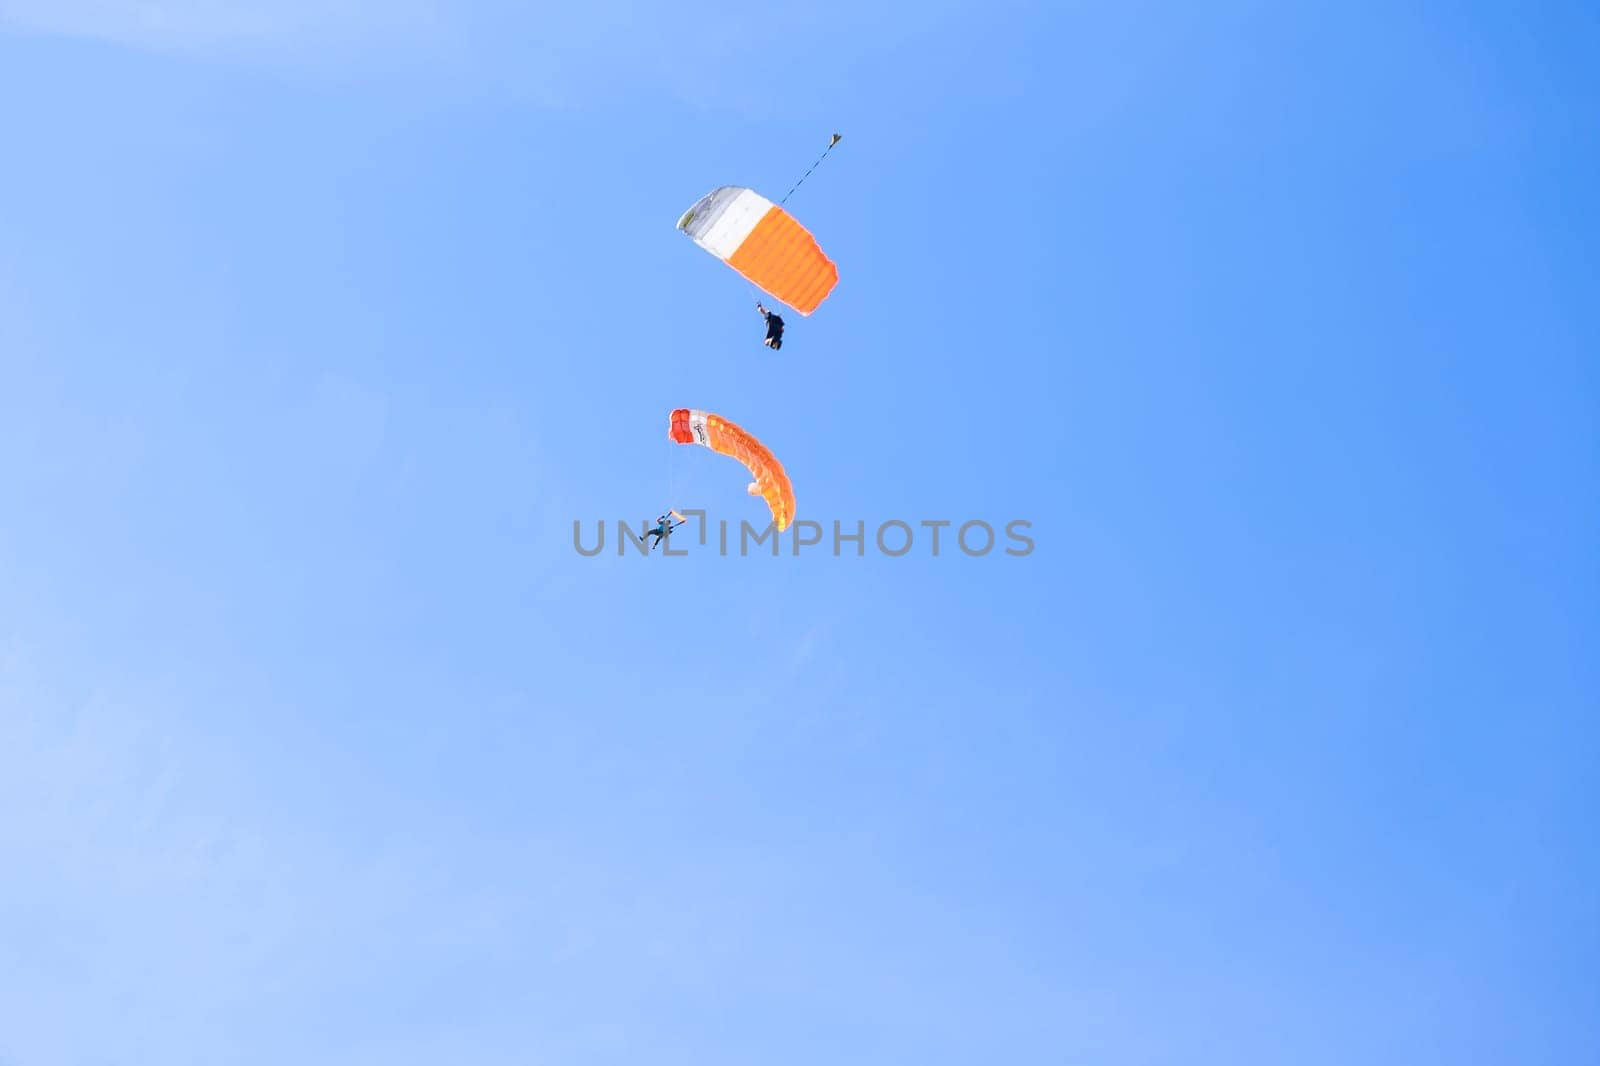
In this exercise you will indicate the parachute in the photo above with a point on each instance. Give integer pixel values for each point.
(762, 241)
(717, 433)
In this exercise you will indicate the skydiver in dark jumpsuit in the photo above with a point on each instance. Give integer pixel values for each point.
(774, 328)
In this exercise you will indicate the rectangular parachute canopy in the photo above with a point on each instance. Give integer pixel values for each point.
(764, 243)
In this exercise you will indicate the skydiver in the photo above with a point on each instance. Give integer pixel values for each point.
(664, 527)
(774, 328)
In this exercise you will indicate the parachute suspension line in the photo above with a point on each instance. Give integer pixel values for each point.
(672, 477)
(807, 174)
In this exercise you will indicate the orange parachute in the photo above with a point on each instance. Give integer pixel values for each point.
(762, 241)
(717, 433)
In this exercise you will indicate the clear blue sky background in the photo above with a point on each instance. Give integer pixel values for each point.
(321, 323)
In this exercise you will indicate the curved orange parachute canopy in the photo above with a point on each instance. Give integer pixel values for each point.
(717, 433)
(763, 242)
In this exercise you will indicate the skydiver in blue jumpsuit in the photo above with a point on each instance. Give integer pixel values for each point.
(664, 527)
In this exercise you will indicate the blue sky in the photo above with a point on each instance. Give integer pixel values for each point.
(320, 324)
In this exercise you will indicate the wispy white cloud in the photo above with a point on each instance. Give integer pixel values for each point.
(173, 895)
(149, 882)
(561, 56)
(198, 24)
